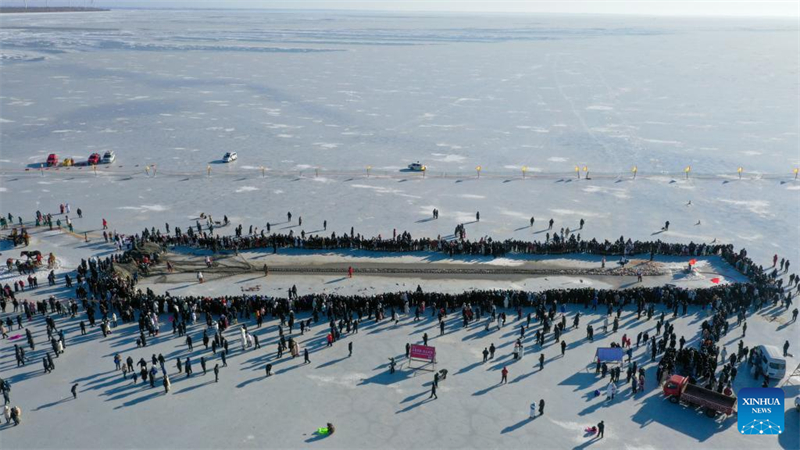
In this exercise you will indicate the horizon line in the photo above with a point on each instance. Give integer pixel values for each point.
(454, 12)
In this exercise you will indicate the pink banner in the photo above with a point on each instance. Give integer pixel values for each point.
(423, 352)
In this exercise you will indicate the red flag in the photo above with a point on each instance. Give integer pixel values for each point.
(715, 280)
(692, 262)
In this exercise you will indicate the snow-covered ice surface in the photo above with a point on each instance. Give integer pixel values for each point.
(370, 408)
(219, 284)
(335, 93)
(343, 91)
(755, 214)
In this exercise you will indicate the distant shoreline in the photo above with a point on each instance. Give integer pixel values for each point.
(22, 9)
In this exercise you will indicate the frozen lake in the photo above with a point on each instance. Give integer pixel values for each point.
(315, 98)
(343, 91)
(306, 94)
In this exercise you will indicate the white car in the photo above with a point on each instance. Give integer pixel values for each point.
(108, 157)
(417, 167)
(229, 157)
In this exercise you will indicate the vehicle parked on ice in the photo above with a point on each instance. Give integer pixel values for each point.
(679, 390)
(109, 157)
(768, 360)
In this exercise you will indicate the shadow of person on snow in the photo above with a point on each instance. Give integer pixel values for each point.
(517, 425)
(419, 403)
(48, 405)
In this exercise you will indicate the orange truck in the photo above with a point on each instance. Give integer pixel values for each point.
(680, 391)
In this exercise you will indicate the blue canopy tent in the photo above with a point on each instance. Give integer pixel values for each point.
(609, 355)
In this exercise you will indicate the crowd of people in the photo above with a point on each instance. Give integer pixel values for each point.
(103, 291)
(456, 244)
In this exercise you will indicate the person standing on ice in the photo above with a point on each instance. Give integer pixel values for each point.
(504, 377)
(533, 411)
(200, 277)
(551, 224)
(611, 390)
(478, 216)
(532, 220)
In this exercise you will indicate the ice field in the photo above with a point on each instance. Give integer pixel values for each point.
(342, 91)
(370, 407)
(326, 111)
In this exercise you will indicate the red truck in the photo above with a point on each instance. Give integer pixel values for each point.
(679, 390)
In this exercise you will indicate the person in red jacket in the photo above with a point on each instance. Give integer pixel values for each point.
(504, 380)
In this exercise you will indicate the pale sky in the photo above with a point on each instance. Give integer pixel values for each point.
(784, 8)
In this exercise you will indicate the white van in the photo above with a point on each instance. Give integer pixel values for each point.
(770, 360)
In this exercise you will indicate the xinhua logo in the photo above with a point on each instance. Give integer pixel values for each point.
(760, 411)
